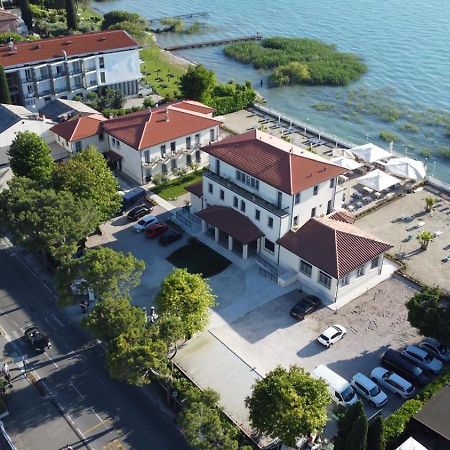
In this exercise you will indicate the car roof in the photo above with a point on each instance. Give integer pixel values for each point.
(417, 350)
(330, 331)
(363, 379)
(148, 217)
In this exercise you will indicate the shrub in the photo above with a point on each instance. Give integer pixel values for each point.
(436, 385)
(395, 424)
(113, 17)
(388, 136)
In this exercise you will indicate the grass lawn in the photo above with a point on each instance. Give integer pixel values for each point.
(173, 189)
(157, 67)
(86, 14)
(199, 258)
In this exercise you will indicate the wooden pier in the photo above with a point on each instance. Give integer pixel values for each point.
(181, 16)
(253, 37)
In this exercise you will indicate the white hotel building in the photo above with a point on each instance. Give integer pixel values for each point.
(265, 198)
(69, 66)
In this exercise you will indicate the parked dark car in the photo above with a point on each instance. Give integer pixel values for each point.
(131, 197)
(169, 237)
(138, 211)
(435, 348)
(39, 340)
(305, 306)
(394, 361)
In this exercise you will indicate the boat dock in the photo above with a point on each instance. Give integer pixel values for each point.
(181, 16)
(253, 37)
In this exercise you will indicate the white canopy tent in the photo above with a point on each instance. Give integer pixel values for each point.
(378, 180)
(407, 168)
(344, 162)
(343, 152)
(370, 152)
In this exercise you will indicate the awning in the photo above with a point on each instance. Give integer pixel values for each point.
(370, 152)
(231, 222)
(378, 180)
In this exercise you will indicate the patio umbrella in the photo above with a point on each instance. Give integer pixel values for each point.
(346, 163)
(377, 180)
(343, 152)
(370, 152)
(407, 168)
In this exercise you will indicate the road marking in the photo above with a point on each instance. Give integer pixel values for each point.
(94, 427)
(79, 393)
(50, 358)
(15, 323)
(57, 320)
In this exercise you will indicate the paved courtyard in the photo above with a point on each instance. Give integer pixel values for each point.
(427, 266)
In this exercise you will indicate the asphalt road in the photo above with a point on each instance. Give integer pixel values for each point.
(106, 414)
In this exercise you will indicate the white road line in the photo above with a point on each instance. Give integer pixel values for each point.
(57, 320)
(15, 323)
(79, 393)
(50, 358)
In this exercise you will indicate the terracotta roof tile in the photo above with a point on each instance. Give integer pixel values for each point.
(335, 247)
(231, 222)
(343, 216)
(147, 128)
(75, 45)
(80, 128)
(274, 161)
(196, 189)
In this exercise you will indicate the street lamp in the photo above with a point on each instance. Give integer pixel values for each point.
(434, 168)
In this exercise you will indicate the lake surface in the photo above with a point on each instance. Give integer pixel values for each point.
(405, 44)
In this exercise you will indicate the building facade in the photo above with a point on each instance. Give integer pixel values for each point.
(69, 66)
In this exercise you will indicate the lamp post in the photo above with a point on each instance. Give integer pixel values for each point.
(434, 168)
(306, 126)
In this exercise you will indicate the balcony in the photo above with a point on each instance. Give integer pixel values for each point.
(227, 183)
(59, 74)
(90, 69)
(44, 93)
(60, 90)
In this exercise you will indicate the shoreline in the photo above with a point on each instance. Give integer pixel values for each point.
(172, 57)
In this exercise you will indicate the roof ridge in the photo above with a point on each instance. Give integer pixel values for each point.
(336, 253)
(76, 127)
(143, 131)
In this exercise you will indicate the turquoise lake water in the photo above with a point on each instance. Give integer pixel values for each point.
(405, 44)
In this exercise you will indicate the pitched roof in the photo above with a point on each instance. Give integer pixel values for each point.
(231, 222)
(274, 161)
(147, 128)
(76, 45)
(196, 188)
(80, 128)
(343, 216)
(11, 114)
(58, 107)
(335, 247)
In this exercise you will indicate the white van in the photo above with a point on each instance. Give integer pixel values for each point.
(340, 389)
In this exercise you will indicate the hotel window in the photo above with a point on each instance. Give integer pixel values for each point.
(163, 151)
(235, 202)
(218, 166)
(305, 268)
(188, 142)
(102, 77)
(257, 214)
(344, 281)
(212, 135)
(313, 212)
(375, 262)
(101, 137)
(222, 194)
(360, 272)
(101, 62)
(173, 164)
(325, 280)
(316, 190)
(270, 222)
(295, 221)
(197, 139)
(297, 198)
(78, 146)
(279, 199)
(269, 245)
(242, 206)
(210, 188)
(173, 147)
(332, 183)
(147, 156)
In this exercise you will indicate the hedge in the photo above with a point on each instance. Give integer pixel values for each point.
(435, 386)
(395, 424)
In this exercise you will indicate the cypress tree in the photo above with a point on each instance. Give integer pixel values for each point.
(27, 15)
(357, 437)
(72, 18)
(4, 89)
(375, 435)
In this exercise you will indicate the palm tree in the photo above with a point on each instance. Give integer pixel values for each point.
(429, 202)
(425, 238)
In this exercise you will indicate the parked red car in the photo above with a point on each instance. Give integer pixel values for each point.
(156, 230)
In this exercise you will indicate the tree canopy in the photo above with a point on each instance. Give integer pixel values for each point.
(72, 18)
(87, 175)
(111, 274)
(5, 96)
(188, 297)
(26, 14)
(197, 83)
(30, 156)
(375, 434)
(430, 314)
(288, 404)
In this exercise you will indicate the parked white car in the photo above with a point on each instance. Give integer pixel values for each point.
(422, 358)
(393, 382)
(436, 349)
(144, 223)
(331, 335)
(369, 390)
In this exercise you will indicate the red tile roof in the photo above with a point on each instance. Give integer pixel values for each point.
(75, 45)
(196, 189)
(343, 216)
(147, 128)
(274, 161)
(83, 127)
(335, 247)
(231, 222)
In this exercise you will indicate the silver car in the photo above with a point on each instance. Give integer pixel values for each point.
(393, 382)
(422, 359)
(368, 389)
(144, 223)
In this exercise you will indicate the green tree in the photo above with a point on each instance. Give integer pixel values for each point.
(204, 426)
(188, 297)
(11, 36)
(5, 96)
(109, 273)
(288, 404)
(197, 83)
(72, 18)
(30, 156)
(137, 357)
(430, 315)
(375, 434)
(113, 17)
(26, 13)
(429, 203)
(87, 175)
(46, 221)
(357, 436)
(113, 317)
(345, 424)
(425, 237)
